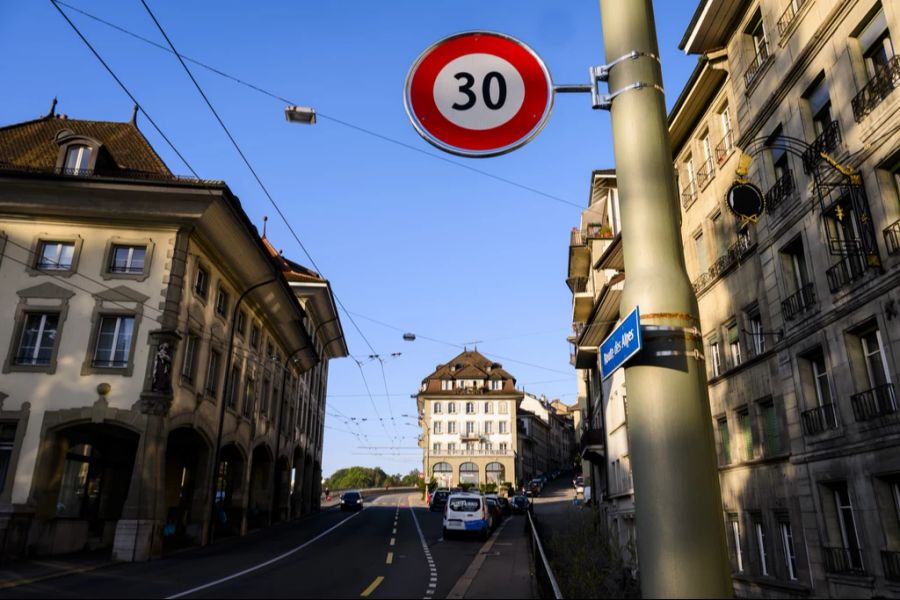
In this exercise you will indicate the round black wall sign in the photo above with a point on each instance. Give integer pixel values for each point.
(746, 201)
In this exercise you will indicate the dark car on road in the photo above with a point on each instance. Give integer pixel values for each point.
(351, 501)
(438, 500)
(519, 505)
(494, 509)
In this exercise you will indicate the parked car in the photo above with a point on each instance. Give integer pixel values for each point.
(534, 488)
(439, 499)
(351, 500)
(493, 507)
(504, 505)
(467, 512)
(520, 505)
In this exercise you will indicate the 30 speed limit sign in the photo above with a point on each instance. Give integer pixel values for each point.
(478, 94)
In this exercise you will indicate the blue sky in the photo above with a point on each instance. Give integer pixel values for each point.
(407, 239)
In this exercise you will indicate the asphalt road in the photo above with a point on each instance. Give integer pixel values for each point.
(377, 552)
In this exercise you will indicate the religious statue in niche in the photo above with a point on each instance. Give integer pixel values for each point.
(161, 380)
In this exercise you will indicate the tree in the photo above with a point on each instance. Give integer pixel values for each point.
(411, 478)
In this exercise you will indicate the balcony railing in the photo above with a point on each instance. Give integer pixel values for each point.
(880, 401)
(799, 301)
(688, 194)
(473, 452)
(892, 237)
(734, 254)
(577, 238)
(849, 269)
(779, 192)
(591, 437)
(828, 141)
(819, 419)
(843, 561)
(789, 14)
(761, 57)
(725, 147)
(877, 89)
(890, 560)
(705, 173)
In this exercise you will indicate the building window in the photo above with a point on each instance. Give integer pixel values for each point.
(436, 448)
(819, 104)
(451, 447)
(127, 259)
(841, 527)
(451, 426)
(877, 371)
(745, 430)
(787, 546)
(496, 384)
(451, 408)
(758, 45)
(724, 441)
(113, 347)
(470, 408)
(201, 282)
(437, 408)
(504, 408)
(249, 397)
(7, 440)
(715, 356)
(502, 427)
(78, 157)
(470, 427)
(189, 366)
(254, 336)
(437, 427)
(771, 429)
(233, 387)
(446, 385)
(757, 340)
(488, 427)
(726, 146)
(38, 339)
(734, 522)
(55, 256)
(222, 300)
(760, 531)
(734, 344)
(241, 323)
(488, 408)
(212, 373)
(875, 43)
(266, 401)
(700, 252)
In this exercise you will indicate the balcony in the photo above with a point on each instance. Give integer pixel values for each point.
(688, 195)
(579, 255)
(890, 560)
(582, 303)
(705, 174)
(781, 191)
(880, 401)
(592, 445)
(843, 561)
(756, 66)
(798, 302)
(790, 13)
(820, 419)
(892, 237)
(732, 256)
(470, 436)
(849, 269)
(877, 89)
(725, 147)
(828, 141)
(473, 452)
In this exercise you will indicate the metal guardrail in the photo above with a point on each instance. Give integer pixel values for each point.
(542, 565)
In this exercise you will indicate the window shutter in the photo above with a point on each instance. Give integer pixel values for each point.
(733, 334)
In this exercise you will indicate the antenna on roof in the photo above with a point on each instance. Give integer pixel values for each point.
(134, 112)
(265, 220)
(52, 112)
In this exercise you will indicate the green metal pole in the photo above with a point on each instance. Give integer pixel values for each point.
(678, 508)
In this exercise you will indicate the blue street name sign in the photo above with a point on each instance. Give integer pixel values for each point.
(623, 343)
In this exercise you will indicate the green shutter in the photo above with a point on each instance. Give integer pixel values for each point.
(773, 436)
(733, 334)
(726, 441)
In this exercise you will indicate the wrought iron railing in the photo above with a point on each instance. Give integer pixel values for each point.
(847, 270)
(591, 437)
(789, 14)
(734, 254)
(880, 401)
(890, 560)
(705, 173)
(877, 89)
(762, 55)
(892, 237)
(819, 419)
(474, 452)
(828, 141)
(725, 147)
(799, 301)
(845, 561)
(688, 194)
(779, 192)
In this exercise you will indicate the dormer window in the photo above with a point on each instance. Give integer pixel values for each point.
(78, 158)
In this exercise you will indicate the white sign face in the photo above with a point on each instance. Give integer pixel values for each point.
(479, 91)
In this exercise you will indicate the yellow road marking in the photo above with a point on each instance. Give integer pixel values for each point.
(373, 585)
(390, 558)
(393, 540)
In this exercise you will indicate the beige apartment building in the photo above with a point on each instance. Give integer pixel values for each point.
(799, 310)
(467, 410)
(137, 308)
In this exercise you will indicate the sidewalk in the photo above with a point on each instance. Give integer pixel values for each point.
(502, 568)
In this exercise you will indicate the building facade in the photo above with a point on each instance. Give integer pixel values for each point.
(146, 325)
(798, 309)
(467, 410)
(560, 434)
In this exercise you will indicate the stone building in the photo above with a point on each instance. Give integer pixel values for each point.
(556, 453)
(467, 410)
(139, 309)
(799, 310)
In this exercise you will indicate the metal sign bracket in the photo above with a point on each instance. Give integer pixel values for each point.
(601, 73)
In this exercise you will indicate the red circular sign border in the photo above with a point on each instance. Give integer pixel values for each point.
(435, 57)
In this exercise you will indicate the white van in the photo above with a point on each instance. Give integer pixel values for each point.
(467, 512)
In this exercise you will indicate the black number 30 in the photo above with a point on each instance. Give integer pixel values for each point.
(468, 80)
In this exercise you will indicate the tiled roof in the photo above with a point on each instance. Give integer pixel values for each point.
(469, 364)
(33, 145)
(292, 271)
